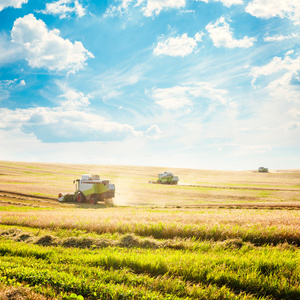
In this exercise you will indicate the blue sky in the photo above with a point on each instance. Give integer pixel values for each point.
(208, 84)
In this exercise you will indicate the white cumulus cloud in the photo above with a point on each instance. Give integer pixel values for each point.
(64, 8)
(44, 48)
(178, 46)
(222, 35)
(282, 88)
(12, 3)
(277, 64)
(156, 6)
(75, 99)
(275, 8)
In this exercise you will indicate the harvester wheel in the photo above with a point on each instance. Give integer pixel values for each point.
(80, 198)
(93, 201)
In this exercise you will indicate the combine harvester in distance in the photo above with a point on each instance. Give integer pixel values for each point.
(263, 170)
(90, 189)
(166, 178)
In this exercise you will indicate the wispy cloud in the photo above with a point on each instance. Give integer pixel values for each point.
(149, 8)
(222, 35)
(111, 83)
(227, 3)
(153, 132)
(4, 94)
(96, 152)
(7, 85)
(61, 124)
(244, 150)
(279, 38)
(172, 98)
(275, 118)
(294, 112)
(121, 8)
(11, 83)
(186, 95)
(9, 52)
(71, 120)
(44, 48)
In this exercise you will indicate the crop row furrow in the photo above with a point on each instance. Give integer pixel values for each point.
(257, 234)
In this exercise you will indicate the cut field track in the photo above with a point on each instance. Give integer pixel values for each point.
(10, 198)
(241, 188)
(25, 196)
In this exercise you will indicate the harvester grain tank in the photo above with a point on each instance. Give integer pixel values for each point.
(90, 188)
(166, 178)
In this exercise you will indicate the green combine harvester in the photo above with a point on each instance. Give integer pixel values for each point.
(90, 189)
(166, 178)
(263, 170)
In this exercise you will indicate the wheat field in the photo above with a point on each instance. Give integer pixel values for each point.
(216, 235)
